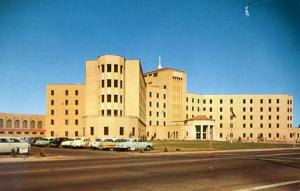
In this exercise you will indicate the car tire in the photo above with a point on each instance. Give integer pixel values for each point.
(148, 148)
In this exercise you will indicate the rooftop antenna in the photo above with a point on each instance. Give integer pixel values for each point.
(159, 63)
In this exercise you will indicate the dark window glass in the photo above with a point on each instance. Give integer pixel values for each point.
(106, 131)
(116, 68)
(108, 67)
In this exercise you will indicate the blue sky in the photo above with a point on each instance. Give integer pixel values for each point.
(222, 50)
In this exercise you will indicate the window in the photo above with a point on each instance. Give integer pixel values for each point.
(277, 109)
(76, 133)
(157, 105)
(270, 135)
(108, 112)
(244, 125)
(106, 131)
(277, 135)
(67, 92)
(270, 125)
(244, 101)
(109, 83)
(66, 102)
(32, 124)
(102, 83)
(251, 117)
(210, 109)
(157, 123)
(157, 114)
(244, 109)
(1, 123)
(115, 112)
(66, 122)
(52, 92)
(116, 98)
(66, 112)
(270, 117)
(76, 121)
(150, 94)
(52, 122)
(164, 105)
(221, 109)
(17, 123)
(231, 125)
(157, 95)
(121, 69)
(121, 130)
(186, 108)
(261, 109)
(115, 67)
(121, 84)
(270, 101)
(261, 101)
(40, 124)
(150, 104)
(221, 101)
(221, 135)
(115, 83)
(251, 101)
(108, 67)
(244, 117)
(270, 109)
(102, 112)
(277, 101)
(221, 125)
(251, 135)
(102, 68)
(121, 100)
(210, 101)
(221, 117)
(261, 117)
(204, 101)
(164, 96)
(133, 131)
(251, 109)
(76, 92)
(204, 109)
(52, 133)
(102, 98)
(76, 102)
(231, 101)
(76, 111)
(165, 87)
(91, 130)
(261, 125)
(244, 135)
(150, 123)
(108, 98)
(251, 125)
(52, 102)
(277, 117)
(66, 133)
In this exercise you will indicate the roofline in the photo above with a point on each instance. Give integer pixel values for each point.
(1, 113)
(66, 84)
(236, 94)
(168, 68)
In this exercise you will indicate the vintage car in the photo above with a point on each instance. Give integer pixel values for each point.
(96, 144)
(57, 141)
(44, 142)
(134, 144)
(107, 144)
(67, 143)
(81, 142)
(8, 145)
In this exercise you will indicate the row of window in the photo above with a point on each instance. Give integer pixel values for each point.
(259, 136)
(157, 123)
(109, 112)
(76, 92)
(17, 123)
(76, 102)
(109, 68)
(109, 98)
(210, 109)
(109, 83)
(244, 101)
(261, 125)
(157, 104)
(66, 112)
(52, 122)
(157, 95)
(157, 114)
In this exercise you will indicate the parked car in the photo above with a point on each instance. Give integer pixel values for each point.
(44, 142)
(96, 144)
(68, 143)
(81, 142)
(7, 145)
(57, 141)
(33, 140)
(134, 144)
(107, 144)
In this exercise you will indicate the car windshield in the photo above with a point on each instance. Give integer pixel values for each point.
(98, 140)
(77, 139)
(44, 139)
(108, 140)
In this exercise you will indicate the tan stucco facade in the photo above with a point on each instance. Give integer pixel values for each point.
(119, 100)
(22, 125)
(111, 102)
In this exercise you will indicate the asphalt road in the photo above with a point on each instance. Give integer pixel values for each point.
(94, 170)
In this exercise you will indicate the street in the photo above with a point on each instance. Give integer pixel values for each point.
(96, 170)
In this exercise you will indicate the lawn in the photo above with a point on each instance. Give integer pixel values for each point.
(216, 145)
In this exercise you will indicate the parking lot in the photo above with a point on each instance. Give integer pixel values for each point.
(84, 169)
